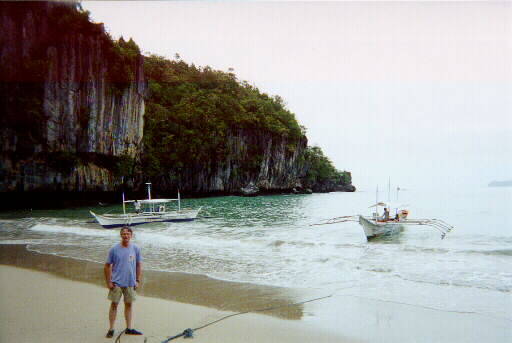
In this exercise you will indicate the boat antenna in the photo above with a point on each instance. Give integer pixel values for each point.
(124, 206)
(179, 200)
(389, 191)
(149, 190)
(377, 202)
(122, 185)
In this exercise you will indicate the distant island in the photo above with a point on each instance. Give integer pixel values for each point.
(506, 183)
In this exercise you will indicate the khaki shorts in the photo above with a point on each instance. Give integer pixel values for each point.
(115, 293)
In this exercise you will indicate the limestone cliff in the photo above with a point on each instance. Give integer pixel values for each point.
(73, 115)
(253, 156)
(64, 110)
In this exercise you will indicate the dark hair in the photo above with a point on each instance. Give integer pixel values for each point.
(126, 228)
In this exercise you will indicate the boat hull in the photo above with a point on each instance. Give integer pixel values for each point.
(373, 229)
(113, 220)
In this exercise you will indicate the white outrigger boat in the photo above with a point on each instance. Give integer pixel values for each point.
(147, 211)
(377, 225)
(390, 222)
(380, 225)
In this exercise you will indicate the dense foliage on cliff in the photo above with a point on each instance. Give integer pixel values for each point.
(190, 111)
(320, 169)
(74, 101)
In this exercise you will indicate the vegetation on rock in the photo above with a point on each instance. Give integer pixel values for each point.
(190, 112)
(320, 169)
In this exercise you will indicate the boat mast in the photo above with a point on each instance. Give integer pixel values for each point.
(149, 195)
(377, 202)
(389, 192)
(124, 207)
(179, 201)
(149, 190)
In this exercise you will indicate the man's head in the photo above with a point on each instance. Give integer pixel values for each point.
(126, 234)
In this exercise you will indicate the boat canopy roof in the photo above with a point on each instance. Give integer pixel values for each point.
(378, 204)
(389, 205)
(156, 201)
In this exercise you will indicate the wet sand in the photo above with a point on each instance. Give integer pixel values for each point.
(181, 287)
(46, 298)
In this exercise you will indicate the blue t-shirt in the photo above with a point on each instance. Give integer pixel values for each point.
(124, 264)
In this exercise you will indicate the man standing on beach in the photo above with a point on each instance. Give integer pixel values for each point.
(123, 271)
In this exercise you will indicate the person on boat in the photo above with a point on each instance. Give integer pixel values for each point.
(385, 215)
(137, 206)
(123, 270)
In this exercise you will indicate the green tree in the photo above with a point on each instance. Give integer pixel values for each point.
(320, 169)
(190, 111)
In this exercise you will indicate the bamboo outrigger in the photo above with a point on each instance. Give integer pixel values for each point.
(378, 225)
(374, 227)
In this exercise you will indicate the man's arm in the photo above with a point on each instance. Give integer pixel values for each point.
(108, 275)
(138, 273)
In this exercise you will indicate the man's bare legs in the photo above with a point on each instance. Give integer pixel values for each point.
(112, 313)
(128, 314)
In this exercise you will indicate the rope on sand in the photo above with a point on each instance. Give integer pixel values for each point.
(188, 333)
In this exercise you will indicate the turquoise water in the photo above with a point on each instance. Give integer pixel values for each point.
(269, 240)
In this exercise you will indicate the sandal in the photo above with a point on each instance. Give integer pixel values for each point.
(132, 332)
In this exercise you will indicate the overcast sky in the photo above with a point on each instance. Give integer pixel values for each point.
(413, 91)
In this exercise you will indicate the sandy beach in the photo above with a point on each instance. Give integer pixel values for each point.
(45, 298)
(39, 306)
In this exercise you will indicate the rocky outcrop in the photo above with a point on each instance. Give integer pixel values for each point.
(271, 163)
(250, 190)
(72, 117)
(59, 96)
(333, 186)
(257, 162)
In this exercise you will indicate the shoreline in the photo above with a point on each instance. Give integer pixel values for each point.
(65, 297)
(185, 288)
(40, 306)
(53, 287)
(37, 200)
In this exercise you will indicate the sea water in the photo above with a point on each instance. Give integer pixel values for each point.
(271, 240)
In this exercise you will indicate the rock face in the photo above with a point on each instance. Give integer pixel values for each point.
(333, 186)
(78, 110)
(269, 163)
(72, 110)
(250, 190)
